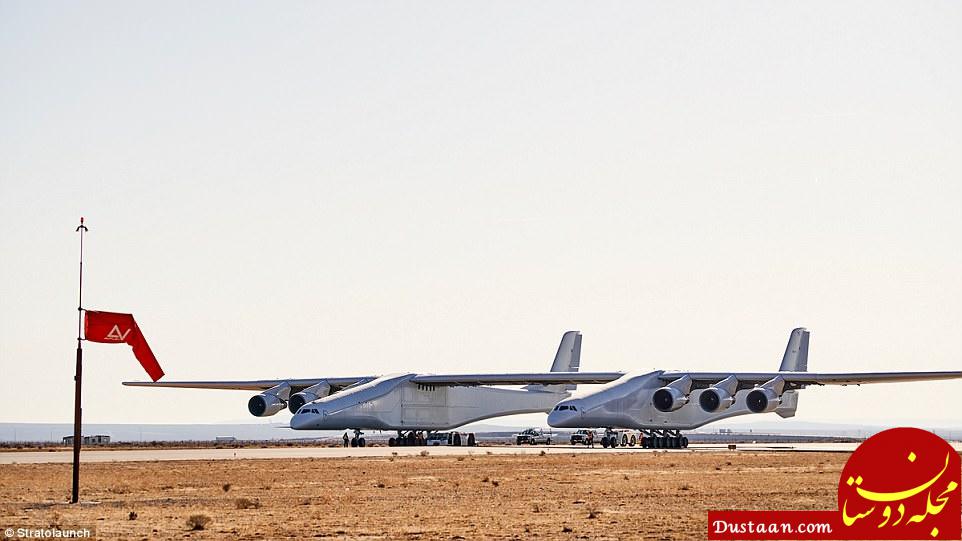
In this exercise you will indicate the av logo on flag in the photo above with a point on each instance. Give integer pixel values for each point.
(115, 334)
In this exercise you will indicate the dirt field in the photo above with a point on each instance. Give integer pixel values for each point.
(662, 495)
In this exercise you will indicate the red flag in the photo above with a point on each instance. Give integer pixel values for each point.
(113, 328)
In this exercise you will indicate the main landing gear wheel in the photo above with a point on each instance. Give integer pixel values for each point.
(663, 439)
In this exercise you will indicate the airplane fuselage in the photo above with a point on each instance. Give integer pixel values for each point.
(393, 402)
(628, 403)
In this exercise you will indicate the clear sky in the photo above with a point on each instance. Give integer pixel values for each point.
(306, 189)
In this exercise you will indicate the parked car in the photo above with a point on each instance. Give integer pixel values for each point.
(580, 437)
(533, 436)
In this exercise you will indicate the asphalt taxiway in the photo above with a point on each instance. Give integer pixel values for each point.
(140, 455)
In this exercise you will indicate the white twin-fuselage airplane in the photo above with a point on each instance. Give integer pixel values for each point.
(660, 403)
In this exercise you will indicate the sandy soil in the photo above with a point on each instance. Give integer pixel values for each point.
(604, 495)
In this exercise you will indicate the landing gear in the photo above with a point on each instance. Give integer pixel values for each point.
(357, 440)
(410, 438)
(663, 439)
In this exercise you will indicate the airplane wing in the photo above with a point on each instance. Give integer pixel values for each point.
(794, 380)
(253, 385)
(544, 378)
(541, 378)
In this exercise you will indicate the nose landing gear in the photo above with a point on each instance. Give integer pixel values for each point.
(357, 440)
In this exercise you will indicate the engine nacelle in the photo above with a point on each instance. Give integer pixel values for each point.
(312, 393)
(714, 399)
(763, 400)
(668, 399)
(270, 401)
(766, 397)
(264, 405)
(672, 396)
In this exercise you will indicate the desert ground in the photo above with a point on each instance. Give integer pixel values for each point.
(603, 495)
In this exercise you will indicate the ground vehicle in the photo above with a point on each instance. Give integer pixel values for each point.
(451, 438)
(614, 438)
(533, 436)
(580, 437)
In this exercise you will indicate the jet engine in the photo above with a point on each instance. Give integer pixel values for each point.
(312, 393)
(719, 396)
(767, 397)
(270, 401)
(672, 396)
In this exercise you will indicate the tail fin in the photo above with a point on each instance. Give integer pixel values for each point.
(796, 352)
(567, 359)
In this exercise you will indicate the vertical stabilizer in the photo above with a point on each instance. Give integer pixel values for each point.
(567, 359)
(796, 352)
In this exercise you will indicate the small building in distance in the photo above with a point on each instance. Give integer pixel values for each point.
(225, 439)
(99, 439)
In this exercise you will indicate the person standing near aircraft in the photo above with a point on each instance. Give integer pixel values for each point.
(346, 439)
(591, 439)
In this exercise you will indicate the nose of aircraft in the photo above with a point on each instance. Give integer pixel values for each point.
(564, 416)
(300, 420)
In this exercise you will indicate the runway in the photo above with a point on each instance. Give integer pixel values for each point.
(147, 455)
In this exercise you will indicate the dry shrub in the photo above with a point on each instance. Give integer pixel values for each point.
(495, 482)
(425, 453)
(198, 522)
(226, 487)
(246, 503)
(132, 515)
(592, 512)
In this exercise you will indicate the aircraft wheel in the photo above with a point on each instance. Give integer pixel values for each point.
(624, 440)
(604, 442)
(633, 441)
(684, 442)
(519, 441)
(471, 440)
(360, 442)
(457, 440)
(353, 442)
(391, 442)
(644, 442)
